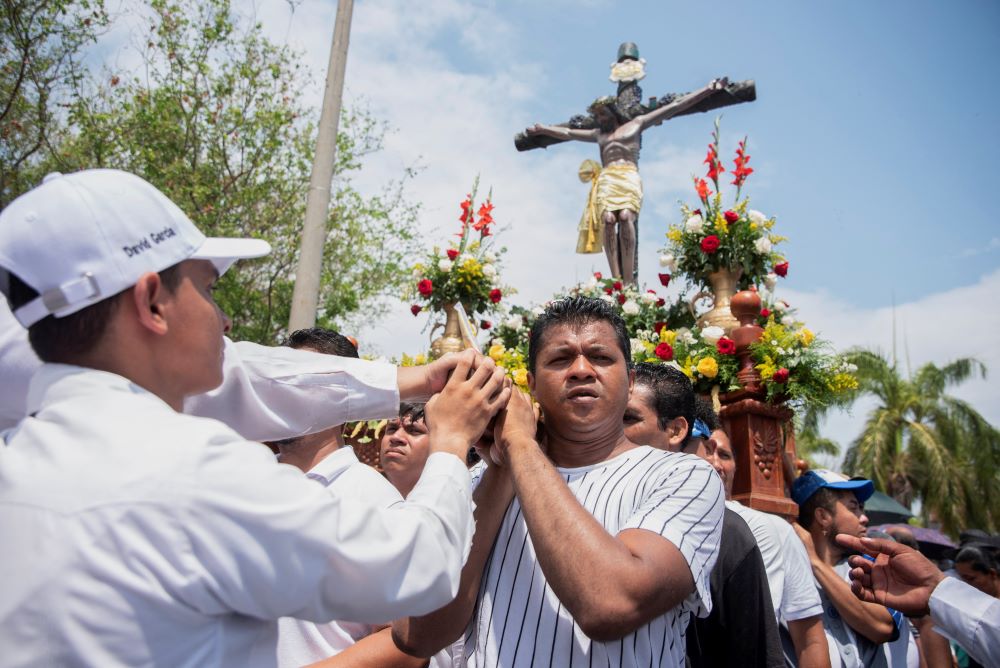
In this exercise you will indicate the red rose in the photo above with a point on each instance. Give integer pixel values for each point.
(696, 212)
(415, 309)
(495, 295)
(726, 346)
(598, 275)
(780, 376)
(622, 298)
(664, 352)
(485, 324)
(661, 301)
(764, 313)
(781, 269)
(731, 216)
(608, 291)
(452, 253)
(425, 287)
(657, 326)
(664, 279)
(617, 285)
(710, 244)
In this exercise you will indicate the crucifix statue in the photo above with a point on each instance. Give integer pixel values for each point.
(616, 125)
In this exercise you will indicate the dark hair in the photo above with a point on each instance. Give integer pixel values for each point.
(673, 394)
(64, 340)
(578, 311)
(979, 559)
(413, 411)
(704, 411)
(824, 497)
(322, 340)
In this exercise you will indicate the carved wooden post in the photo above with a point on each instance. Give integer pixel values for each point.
(760, 432)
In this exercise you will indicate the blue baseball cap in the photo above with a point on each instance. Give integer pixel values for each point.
(809, 482)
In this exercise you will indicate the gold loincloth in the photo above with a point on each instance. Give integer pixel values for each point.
(613, 188)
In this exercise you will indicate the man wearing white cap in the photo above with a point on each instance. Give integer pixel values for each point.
(134, 535)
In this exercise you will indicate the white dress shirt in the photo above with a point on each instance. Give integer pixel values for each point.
(134, 535)
(969, 617)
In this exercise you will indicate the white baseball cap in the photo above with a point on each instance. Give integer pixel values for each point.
(79, 238)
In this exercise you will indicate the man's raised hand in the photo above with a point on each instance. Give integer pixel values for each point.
(900, 577)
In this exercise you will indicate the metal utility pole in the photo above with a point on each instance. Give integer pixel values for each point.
(305, 296)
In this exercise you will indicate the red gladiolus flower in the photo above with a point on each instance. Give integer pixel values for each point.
(781, 269)
(622, 298)
(415, 309)
(701, 186)
(764, 313)
(710, 244)
(742, 171)
(485, 218)
(731, 216)
(452, 253)
(664, 279)
(714, 166)
(495, 295)
(466, 205)
(485, 324)
(661, 301)
(425, 287)
(780, 376)
(617, 285)
(598, 275)
(657, 326)
(726, 346)
(664, 352)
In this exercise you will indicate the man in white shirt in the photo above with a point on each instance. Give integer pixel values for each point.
(602, 548)
(128, 536)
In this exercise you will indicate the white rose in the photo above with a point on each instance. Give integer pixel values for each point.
(515, 322)
(684, 335)
(649, 297)
(694, 224)
(489, 271)
(780, 305)
(668, 262)
(590, 284)
(763, 245)
(489, 257)
(445, 265)
(711, 335)
(756, 217)
(607, 298)
(788, 321)
(630, 307)
(770, 281)
(636, 345)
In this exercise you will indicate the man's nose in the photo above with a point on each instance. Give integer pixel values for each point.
(581, 367)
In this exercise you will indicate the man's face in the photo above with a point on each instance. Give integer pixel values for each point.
(848, 516)
(721, 458)
(404, 449)
(581, 380)
(641, 424)
(988, 583)
(196, 327)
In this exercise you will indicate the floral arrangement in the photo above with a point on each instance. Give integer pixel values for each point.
(714, 237)
(467, 271)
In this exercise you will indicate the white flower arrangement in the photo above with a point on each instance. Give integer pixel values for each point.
(445, 265)
(694, 224)
(712, 334)
(630, 307)
(628, 70)
(763, 245)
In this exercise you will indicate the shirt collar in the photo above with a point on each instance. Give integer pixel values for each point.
(331, 466)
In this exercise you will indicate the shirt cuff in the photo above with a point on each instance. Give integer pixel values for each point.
(953, 603)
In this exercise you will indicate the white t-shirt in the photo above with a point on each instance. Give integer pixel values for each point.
(301, 642)
(789, 574)
(518, 619)
(134, 535)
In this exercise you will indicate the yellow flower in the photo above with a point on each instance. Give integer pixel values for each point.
(842, 382)
(767, 368)
(521, 377)
(674, 234)
(420, 359)
(648, 346)
(708, 367)
(806, 337)
(753, 226)
(496, 352)
(720, 223)
(668, 336)
(688, 368)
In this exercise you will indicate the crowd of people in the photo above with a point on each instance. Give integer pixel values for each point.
(169, 497)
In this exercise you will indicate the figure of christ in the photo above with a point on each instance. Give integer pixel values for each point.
(619, 188)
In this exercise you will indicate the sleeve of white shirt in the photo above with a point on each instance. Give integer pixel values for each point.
(267, 542)
(270, 393)
(18, 363)
(969, 617)
(685, 506)
(800, 597)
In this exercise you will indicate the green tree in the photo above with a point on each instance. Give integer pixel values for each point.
(921, 443)
(213, 119)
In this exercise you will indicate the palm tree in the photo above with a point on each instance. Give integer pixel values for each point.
(921, 443)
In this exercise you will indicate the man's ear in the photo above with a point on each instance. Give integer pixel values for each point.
(148, 298)
(676, 431)
(823, 518)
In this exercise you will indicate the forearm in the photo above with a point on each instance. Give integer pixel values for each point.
(423, 636)
(871, 620)
(669, 111)
(810, 642)
(374, 651)
(935, 647)
(413, 383)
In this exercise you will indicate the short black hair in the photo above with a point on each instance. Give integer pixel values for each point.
(414, 411)
(978, 558)
(322, 340)
(824, 497)
(673, 393)
(578, 311)
(64, 340)
(704, 411)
